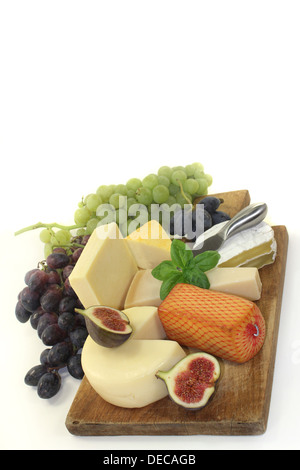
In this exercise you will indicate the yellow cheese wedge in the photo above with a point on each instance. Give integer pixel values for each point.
(105, 269)
(145, 323)
(244, 282)
(144, 290)
(125, 376)
(149, 244)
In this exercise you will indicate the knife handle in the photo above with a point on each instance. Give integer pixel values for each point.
(246, 218)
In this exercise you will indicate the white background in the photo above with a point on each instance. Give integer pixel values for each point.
(97, 92)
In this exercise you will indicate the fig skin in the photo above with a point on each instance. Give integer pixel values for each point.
(182, 367)
(101, 334)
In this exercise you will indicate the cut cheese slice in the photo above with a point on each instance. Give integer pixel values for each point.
(255, 246)
(125, 376)
(145, 323)
(144, 290)
(105, 269)
(150, 245)
(244, 282)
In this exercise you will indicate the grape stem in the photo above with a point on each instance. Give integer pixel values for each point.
(183, 193)
(50, 226)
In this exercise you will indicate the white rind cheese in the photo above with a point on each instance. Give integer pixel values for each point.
(125, 376)
(254, 247)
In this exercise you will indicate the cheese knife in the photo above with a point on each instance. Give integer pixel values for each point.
(246, 218)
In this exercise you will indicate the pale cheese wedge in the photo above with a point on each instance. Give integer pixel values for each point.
(144, 290)
(145, 323)
(150, 245)
(125, 376)
(105, 269)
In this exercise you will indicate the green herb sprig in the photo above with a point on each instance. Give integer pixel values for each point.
(184, 268)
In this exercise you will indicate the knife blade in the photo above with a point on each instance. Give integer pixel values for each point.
(246, 218)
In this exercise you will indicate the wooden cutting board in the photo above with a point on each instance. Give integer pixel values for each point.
(240, 405)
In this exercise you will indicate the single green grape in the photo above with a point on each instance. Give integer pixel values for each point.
(131, 193)
(91, 225)
(179, 167)
(209, 179)
(80, 232)
(144, 196)
(82, 215)
(190, 186)
(62, 237)
(150, 181)
(133, 184)
(164, 180)
(189, 169)
(198, 166)
(173, 189)
(117, 200)
(93, 201)
(131, 201)
(160, 194)
(121, 189)
(105, 191)
(199, 173)
(202, 186)
(47, 250)
(45, 235)
(171, 200)
(165, 171)
(178, 176)
(121, 216)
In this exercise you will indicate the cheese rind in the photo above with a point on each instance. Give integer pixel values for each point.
(145, 323)
(150, 245)
(125, 376)
(144, 290)
(244, 282)
(105, 269)
(248, 247)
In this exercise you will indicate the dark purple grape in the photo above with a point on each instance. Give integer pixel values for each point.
(79, 321)
(35, 317)
(30, 299)
(74, 366)
(210, 203)
(68, 289)
(53, 277)
(85, 239)
(66, 321)
(48, 318)
(75, 256)
(29, 274)
(34, 374)
(57, 260)
(53, 334)
(60, 353)
(21, 313)
(67, 304)
(49, 384)
(219, 216)
(38, 280)
(44, 357)
(59, 249)
(67, 271)
(78, 337)
(51, 298)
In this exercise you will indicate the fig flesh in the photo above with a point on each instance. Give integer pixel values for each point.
(107, 326)
(191, 382)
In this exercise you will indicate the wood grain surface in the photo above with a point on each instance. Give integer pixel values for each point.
(240, 405)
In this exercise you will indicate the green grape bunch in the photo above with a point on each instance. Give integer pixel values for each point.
(170, 185)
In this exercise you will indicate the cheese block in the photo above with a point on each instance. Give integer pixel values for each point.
(244, 282)
(144, 290)
(125, 376)
(254, 247)
(150, 245)
(105, 269)
(145, 323)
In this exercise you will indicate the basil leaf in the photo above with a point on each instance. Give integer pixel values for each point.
(197, 278)
(164, 270)
(180, 253)
(169, 283)
(205, 261)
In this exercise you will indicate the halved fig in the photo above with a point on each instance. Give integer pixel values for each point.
(191, 382)
(107, 326)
